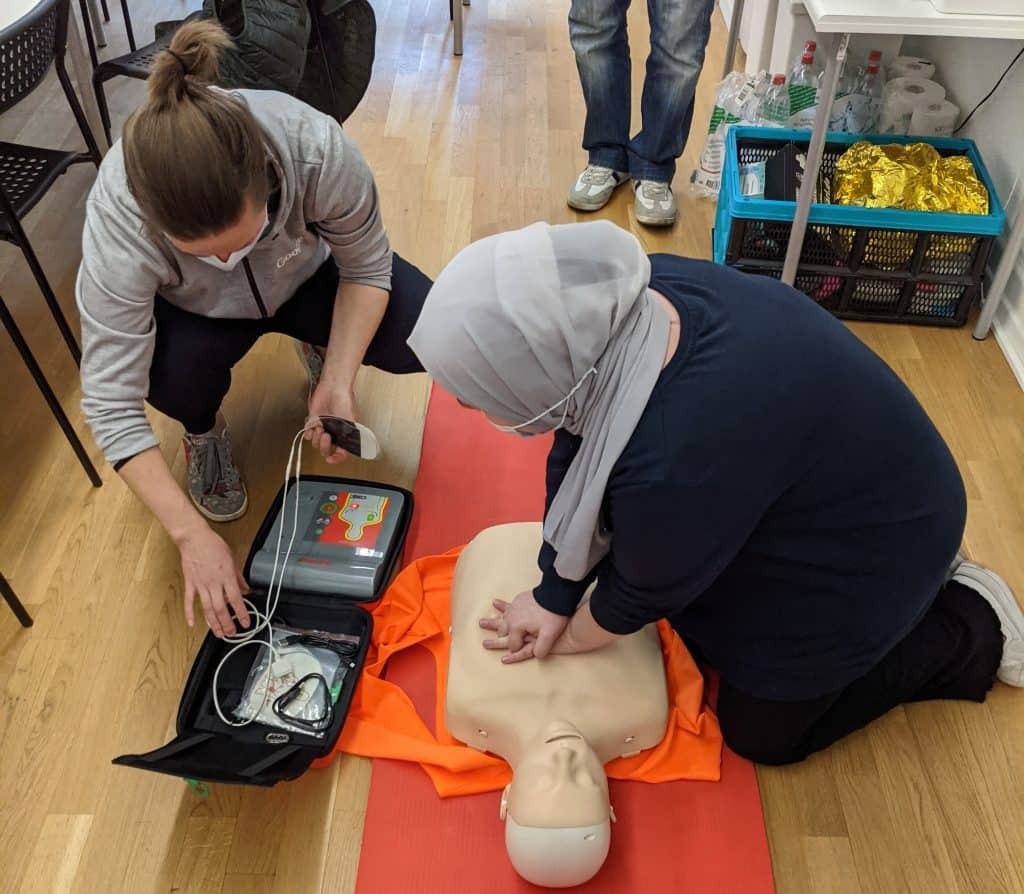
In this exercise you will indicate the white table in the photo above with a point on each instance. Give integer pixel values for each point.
(841, 18)
(12, 11)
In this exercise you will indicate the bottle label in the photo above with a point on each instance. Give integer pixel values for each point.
(802, 98)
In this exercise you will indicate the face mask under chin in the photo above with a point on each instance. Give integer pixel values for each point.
(236, 257)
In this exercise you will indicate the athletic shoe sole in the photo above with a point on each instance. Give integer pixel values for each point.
(220, 518)
(652, 220)
(594, 204)
(997, 593)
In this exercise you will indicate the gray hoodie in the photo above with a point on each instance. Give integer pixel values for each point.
(328, 206)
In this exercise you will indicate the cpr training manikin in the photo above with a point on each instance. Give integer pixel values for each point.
(556, 721)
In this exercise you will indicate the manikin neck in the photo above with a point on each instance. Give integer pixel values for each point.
(548, 731)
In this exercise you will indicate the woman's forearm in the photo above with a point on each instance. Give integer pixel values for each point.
(358, 310)
(582, 634)
(148, 475)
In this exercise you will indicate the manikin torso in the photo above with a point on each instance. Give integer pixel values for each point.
(540, 715)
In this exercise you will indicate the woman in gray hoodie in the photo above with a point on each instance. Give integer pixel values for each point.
(218, 217)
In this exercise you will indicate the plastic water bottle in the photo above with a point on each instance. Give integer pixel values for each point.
(844, 100)
(872, 89)
(775, 109)
(874, 58)
(810, 48)
(803, 88)
(751, 110)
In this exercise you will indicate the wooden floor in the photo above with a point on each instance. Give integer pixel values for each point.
(930, 799)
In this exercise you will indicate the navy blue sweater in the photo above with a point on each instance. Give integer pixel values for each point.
(784, 499)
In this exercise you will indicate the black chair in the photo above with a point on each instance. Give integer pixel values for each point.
(27, 49)
(136, 64)
(15, 603)
(90, 38)
(51, 399)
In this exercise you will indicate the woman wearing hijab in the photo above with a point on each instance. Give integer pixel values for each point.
(728, 456)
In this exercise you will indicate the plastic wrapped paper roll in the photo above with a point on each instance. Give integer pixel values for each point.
(902, 97)
(937, 119)
(911, 67)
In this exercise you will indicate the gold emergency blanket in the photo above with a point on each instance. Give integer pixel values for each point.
(911, 177)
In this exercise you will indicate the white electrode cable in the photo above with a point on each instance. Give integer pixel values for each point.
(260, 620)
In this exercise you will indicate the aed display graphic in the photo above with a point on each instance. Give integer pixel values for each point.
(348, 518)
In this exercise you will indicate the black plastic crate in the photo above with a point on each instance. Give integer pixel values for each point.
(895, 271)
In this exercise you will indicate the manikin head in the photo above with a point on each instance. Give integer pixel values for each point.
(556, 810)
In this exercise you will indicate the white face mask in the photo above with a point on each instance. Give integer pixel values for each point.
(518, 429)
(236, 257)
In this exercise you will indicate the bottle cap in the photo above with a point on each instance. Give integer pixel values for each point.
(807, 58)
(779, 79)
(810, 46)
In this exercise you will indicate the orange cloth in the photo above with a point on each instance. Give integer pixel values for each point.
(383, 721)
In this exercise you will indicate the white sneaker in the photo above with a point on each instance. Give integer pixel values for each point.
(655, 203)
(995, 591)
(594, 187)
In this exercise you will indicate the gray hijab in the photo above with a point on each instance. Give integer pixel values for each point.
(517, 321)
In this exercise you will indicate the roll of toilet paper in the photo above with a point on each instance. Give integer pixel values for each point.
(904, 95)
(937, 119)
(911, 67)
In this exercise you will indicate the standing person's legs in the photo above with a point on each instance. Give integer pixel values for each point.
(189, 376)
(679, 37)
(597, 31)
(953, 653)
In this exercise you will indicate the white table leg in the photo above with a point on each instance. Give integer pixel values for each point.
(81, 71)
(1006, 264)
(829, 80)
(97, 23)
(457, 27)
(734, 36)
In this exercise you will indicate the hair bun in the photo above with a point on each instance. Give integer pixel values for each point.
(190, 61)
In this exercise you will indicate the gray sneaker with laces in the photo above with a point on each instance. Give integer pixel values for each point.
(594, 187)
(214, 482)
(655, 203)
(312, 359)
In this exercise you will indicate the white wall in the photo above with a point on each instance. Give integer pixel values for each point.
(968, 69)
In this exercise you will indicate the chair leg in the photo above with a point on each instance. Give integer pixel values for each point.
(76, 108)
(44, 285)
(106, 11)
(15, 603)
(128, 24)
(101, 101)
(90, 38)
(48, 395)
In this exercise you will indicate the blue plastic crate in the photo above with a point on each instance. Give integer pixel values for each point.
(862, 263)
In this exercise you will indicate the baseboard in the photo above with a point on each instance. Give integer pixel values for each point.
(1009, 332)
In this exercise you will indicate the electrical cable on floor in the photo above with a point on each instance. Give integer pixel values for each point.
(988, 95)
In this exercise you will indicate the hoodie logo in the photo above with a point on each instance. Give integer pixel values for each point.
(294, 253)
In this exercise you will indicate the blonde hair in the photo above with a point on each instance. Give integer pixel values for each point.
(193, 155)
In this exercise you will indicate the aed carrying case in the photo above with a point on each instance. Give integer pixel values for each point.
(348, 543)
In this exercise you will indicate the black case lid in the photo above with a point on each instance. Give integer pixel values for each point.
(206, 748)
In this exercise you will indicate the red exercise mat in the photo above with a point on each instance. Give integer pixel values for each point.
(671, 838)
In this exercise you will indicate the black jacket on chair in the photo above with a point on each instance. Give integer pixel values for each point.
(320, 51)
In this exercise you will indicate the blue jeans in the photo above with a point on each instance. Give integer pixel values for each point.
(679, 36)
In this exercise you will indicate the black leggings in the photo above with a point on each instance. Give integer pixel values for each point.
(953, 653)
(192, 361)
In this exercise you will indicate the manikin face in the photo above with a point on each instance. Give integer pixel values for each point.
(559, 782)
